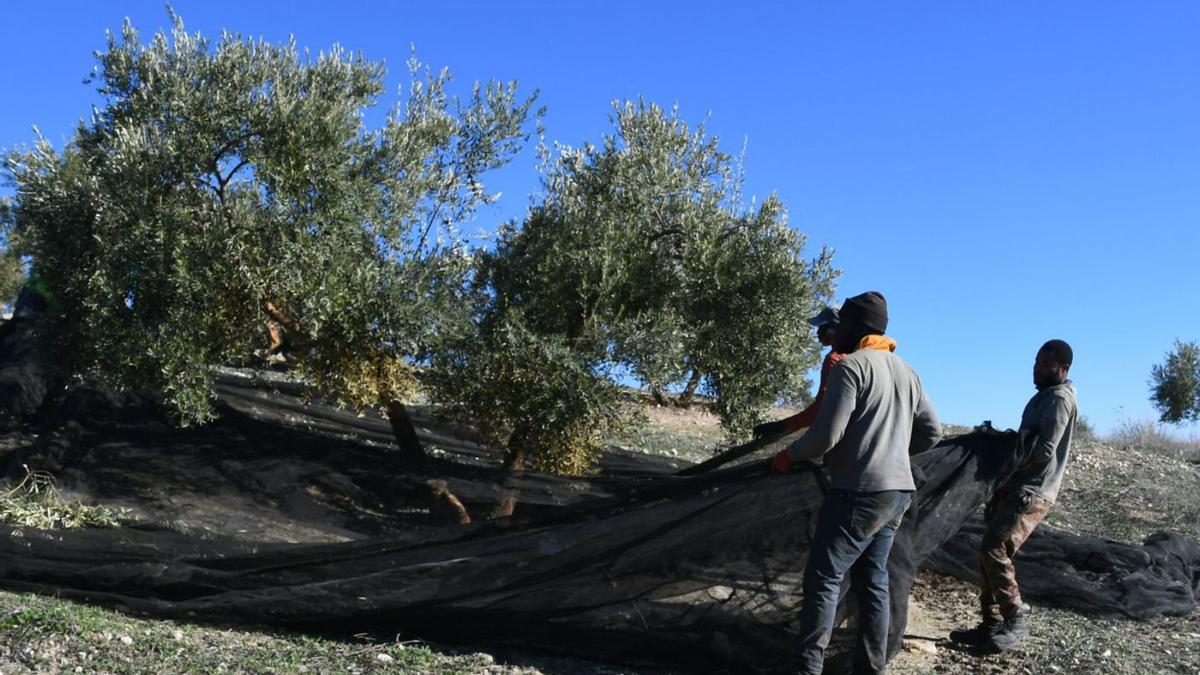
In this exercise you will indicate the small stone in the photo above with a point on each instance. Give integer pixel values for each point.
(921, 646)
(385, 658)
(177, 635)
(720, 593)
(126, 640)
(1107, 653)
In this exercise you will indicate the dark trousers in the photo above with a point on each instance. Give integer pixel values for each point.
(854, 532)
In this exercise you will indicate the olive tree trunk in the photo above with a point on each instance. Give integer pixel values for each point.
(689, 391)
(403, 430)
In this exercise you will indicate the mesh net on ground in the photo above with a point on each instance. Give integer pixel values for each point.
(634, 565)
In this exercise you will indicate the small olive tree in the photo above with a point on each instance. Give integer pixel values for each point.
(534, 395)
(642, 258)
(226, 183)
(1175, 384)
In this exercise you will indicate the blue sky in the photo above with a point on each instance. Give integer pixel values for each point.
(1003, 172)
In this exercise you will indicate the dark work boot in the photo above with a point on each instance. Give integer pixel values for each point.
(979, 635)
(1012, 633)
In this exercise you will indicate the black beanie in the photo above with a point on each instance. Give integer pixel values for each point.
(868, 311)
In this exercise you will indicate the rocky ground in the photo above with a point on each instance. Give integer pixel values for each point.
(1061, 642)
(1115, 490)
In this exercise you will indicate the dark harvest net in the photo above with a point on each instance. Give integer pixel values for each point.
(635, 565)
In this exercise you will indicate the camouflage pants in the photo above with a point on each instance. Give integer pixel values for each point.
(1011, 517)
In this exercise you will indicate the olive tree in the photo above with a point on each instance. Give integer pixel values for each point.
(224, 183)
(1175, 384)
(641, 257)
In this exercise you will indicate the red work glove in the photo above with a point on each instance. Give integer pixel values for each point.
(782, 463)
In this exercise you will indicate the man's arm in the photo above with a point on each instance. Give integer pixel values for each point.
(840, 400)
(1052, 425)
(807, 417)
(926, 429)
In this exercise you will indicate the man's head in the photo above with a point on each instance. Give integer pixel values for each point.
(826, 323)
(1052, 364)
(827, 334)
(862, 315)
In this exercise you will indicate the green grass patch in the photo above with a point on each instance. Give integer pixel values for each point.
(44, 634)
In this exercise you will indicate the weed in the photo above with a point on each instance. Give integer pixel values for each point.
(1148, 434)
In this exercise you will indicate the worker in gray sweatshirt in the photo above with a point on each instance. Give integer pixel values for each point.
(1023, 501)
(875, 414)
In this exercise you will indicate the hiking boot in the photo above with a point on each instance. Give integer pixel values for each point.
(979, 635)
(1012, 633)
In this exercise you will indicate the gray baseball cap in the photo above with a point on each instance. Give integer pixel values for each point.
(827, 316)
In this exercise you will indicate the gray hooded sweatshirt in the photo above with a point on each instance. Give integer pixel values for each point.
(875, 414)
(1051, 415)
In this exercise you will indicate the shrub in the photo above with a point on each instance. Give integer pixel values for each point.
(1152, 435)
(1175, 384)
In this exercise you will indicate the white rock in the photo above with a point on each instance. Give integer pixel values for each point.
(922, 646)
(126, 640)
(386, 658)
(720, 593)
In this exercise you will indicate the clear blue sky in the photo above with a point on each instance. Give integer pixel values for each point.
(1003, 172)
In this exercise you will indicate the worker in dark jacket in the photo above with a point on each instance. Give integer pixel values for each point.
(875, 414)
(1023, 501)
(826, 323)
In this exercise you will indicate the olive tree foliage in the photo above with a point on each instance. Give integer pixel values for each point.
(641, 257)
(223, 183)
(12, 277)
(1175, 384)
(534, 395)
(748, 304)
(12, 267)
